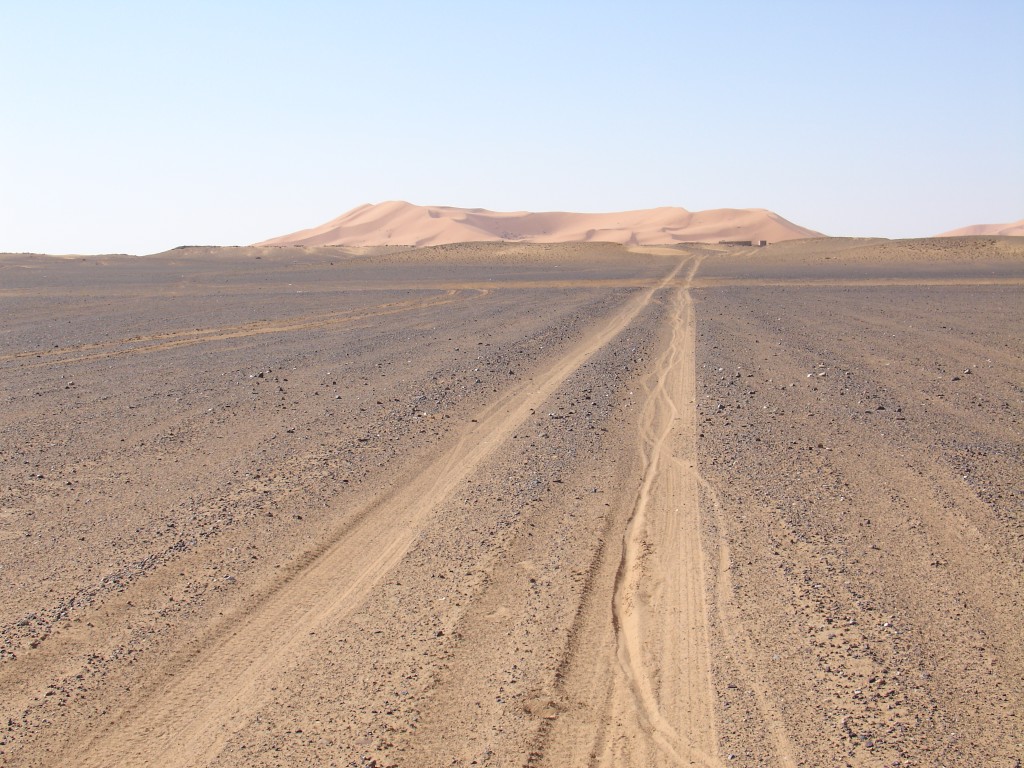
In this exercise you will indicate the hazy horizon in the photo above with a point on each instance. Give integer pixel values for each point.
(138, 129)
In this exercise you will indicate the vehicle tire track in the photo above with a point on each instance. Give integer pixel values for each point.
(186, 338)
(187, 721)
(638, 679)
(736, 637)
(645, 695)
(658, 608)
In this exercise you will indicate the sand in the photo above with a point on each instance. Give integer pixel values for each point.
(1015, 229)
(513, 504)
(401, 223)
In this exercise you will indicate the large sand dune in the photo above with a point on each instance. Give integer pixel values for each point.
(1015, 228)
(401, 223)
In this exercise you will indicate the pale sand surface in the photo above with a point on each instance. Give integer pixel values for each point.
(1015, 228)
(509, 504)
(401, 223)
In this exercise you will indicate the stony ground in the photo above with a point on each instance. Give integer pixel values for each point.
(514, 505)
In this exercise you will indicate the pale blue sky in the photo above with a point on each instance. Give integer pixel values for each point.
(138, 126)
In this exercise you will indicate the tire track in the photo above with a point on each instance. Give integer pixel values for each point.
(176, 339)
(638, 677)
(658, 609)
(856, 282)
(208, 693)
(740, 649)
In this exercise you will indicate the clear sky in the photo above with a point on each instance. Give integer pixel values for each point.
(138, 126)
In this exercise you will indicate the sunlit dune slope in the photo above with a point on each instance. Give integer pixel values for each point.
(1013, 228)
(401, 223)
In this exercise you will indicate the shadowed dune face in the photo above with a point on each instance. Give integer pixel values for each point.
(400, 223)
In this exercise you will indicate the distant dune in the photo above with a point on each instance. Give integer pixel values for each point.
(401, 223)
(1015, 228)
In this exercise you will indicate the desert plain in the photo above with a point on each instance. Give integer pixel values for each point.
(508, 504)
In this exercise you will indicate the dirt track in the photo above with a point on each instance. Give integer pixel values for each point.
(514, 505)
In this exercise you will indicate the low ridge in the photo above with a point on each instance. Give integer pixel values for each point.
(1015, 228)
(401, 223)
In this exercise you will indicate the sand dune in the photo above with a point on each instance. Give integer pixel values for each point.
(1015, 228)
(401, 223)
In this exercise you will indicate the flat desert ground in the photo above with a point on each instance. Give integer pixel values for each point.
(514, 505)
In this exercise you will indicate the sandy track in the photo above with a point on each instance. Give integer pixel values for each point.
(644, 690)
(737, 643)
(185, 338)
(692, 507)
(658, 608)
(188, 721)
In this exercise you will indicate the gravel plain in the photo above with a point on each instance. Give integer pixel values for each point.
(508, 504)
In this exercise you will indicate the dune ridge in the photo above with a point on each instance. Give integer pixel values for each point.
(402, 223)
(1014, 228)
